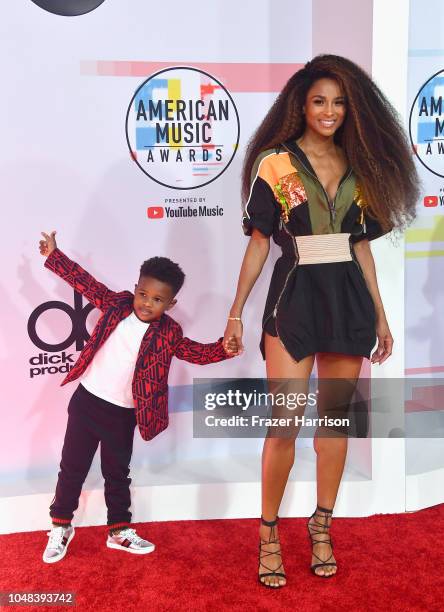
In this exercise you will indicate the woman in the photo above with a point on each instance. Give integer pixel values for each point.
(328, 170)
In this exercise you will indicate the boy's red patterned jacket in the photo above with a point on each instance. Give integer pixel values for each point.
(163, 339)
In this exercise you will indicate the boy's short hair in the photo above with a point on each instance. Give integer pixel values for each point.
(165, 271)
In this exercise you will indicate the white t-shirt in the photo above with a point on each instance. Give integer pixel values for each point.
(110, 374)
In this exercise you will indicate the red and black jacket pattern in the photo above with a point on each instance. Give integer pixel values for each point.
(163, 340)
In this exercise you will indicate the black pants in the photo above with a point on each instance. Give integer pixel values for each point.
(92, 420)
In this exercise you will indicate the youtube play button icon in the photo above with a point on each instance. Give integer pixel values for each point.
(155, 212)
(430, 201)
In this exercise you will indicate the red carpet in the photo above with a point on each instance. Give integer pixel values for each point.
(392, 562)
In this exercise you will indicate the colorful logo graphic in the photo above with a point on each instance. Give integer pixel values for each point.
(155, 212)
(182, 128)
(427, 124)
(68, 8)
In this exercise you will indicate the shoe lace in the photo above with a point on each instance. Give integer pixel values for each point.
(130, 534)
(321, 528)
(264, 554)
(55, 537)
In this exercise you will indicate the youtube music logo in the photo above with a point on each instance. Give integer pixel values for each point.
(430, 201)
(184, 212)
(155, 212)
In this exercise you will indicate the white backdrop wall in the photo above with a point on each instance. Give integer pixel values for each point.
(425, 240)
(424, 263)
(66, 165)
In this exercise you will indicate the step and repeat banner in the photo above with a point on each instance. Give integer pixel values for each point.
(124, 127)
(424, 252)
(425, 239)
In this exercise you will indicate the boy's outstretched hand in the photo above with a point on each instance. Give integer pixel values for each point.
(48, 245)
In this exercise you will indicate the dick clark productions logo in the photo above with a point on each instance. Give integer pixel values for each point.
(182, 128)
(52, 364)
(427, 124)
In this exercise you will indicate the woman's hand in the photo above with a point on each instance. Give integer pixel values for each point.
(48, 245)
(233, 338)
(385, 341)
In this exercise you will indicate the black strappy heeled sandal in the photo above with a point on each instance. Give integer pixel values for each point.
(265, 553)
(318, 528)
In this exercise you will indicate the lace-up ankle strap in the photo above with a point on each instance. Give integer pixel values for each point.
(270, 523)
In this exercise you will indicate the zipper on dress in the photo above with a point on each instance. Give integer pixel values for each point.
(331, 207)
(277, 304)
(283, 289)
(355, 260)
(274, 312)
(288, 275)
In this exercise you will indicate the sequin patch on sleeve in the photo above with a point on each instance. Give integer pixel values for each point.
(289, 192)
(359, 201)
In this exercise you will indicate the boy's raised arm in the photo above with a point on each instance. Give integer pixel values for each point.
(79, 279)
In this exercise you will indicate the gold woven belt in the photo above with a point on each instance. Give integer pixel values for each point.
(323, 248)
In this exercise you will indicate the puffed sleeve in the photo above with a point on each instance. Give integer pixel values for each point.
(261, 211)
(366, 226)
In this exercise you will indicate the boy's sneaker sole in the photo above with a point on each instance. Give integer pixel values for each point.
(60, 557)
(134, 551)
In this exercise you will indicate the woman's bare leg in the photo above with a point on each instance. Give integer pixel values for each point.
(278, 452)
(331, 450)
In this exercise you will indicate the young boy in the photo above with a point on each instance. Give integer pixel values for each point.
(123, 369)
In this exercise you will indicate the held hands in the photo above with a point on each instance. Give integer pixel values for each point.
(233, 338)
(385, 342)
(48, 245)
